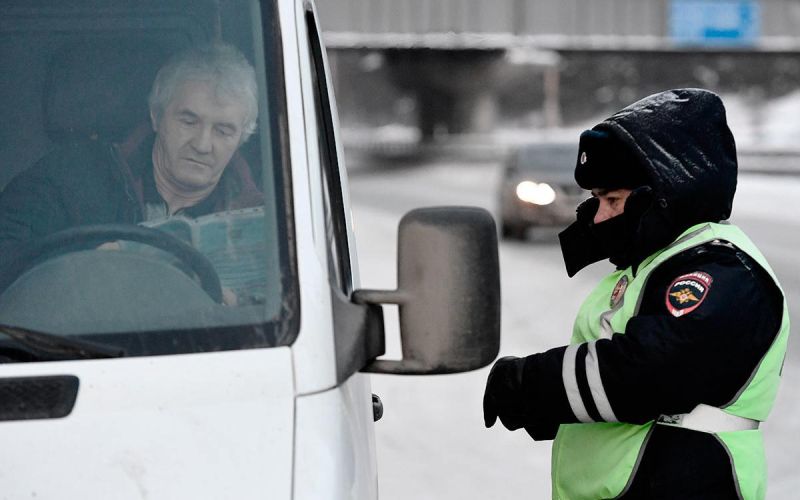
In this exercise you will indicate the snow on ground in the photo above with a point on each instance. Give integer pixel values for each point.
(757, 124)
(760, 124)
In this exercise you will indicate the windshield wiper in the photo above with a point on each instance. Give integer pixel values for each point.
(62, 347)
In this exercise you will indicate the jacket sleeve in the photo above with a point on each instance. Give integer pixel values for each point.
(74, 184)
(30, 206)
(663, 363)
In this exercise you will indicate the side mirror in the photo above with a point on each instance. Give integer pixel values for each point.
(448, 292)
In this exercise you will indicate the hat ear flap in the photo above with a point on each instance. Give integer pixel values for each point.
(587, 210)
(640, 200)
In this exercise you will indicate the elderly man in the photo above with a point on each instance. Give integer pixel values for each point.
(203, 106)
(675, 357)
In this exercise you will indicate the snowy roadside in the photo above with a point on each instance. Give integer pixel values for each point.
(766, 133)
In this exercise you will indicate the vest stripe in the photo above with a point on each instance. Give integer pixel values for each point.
(570, 378)
(596, 385)
(753, 373)
(606, 330)
(583, 383)
(733, 466)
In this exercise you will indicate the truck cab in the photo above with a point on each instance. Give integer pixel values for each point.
(126, 369)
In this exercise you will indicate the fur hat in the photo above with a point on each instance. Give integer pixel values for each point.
(605, 162)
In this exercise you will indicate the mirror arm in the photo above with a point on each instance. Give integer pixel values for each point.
(378, 297)
(389, 366)
(397, 367)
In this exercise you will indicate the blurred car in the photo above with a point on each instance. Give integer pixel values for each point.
(537, 188)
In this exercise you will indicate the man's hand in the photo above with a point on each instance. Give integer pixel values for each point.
(502, 397)
(110, 245)
(514, 394)
(229, 297)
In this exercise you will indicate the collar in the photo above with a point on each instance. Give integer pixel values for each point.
(686, 235)
(140, 163)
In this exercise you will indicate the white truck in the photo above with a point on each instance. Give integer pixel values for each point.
(123, 375)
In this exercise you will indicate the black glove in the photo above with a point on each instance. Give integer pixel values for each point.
(502, 397)
(518, 392)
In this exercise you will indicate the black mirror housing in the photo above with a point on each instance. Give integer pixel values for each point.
(448, 292)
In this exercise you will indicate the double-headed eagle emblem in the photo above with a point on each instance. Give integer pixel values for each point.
(685, 295)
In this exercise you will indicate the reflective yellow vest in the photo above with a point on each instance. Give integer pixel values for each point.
(599, 460)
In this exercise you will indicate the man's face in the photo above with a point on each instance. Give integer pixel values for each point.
(612, 203)
(197, 135)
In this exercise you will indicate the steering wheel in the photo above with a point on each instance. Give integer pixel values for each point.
(87, 237)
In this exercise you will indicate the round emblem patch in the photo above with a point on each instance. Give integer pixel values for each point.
(687, 292)
(619, 291)
(583, 158)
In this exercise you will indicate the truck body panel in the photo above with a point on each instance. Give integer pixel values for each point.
(211, 425)
(178, 393)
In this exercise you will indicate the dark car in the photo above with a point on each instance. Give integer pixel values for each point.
(537, 188)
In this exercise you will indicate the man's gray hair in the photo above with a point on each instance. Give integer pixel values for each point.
(219, 64)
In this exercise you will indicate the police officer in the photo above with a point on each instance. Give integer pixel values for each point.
(675, 357)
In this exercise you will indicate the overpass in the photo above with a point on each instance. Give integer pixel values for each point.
(561, 24)
(453, 55)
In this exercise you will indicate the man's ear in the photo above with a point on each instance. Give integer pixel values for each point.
(153, 121)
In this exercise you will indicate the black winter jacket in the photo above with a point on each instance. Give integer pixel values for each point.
(663, 364)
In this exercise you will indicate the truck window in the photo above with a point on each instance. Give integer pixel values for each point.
(144, 195)
(335, 225)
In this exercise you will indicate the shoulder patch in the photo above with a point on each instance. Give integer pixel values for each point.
(687, 292)
(619, 291)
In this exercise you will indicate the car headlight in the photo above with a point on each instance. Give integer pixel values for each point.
(538, 193)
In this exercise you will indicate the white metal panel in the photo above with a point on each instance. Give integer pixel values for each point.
(314, 350)
(335, 444)
(200, 426)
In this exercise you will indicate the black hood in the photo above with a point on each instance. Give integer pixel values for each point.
(681, 139)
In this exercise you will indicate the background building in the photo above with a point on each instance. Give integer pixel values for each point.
(445, 67)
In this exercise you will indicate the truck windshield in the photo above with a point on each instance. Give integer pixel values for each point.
(144, 193)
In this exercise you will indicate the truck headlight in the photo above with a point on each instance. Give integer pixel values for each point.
(538, 193)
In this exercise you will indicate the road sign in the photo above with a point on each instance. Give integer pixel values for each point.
(715, 23)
